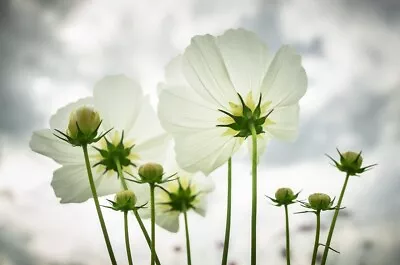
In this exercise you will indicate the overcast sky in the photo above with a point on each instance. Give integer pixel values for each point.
(52, 52)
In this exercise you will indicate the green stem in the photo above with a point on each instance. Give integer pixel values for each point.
(135, 212)
(153, 224)
(97, 204)
(254, 196)
(287, 236)
(189, 259)
(127, 245)
(228, 214)
(316, 244)
(332, 227)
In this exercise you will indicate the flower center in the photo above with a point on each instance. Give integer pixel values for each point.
(240, 120)
(182, 199)
(116, 149)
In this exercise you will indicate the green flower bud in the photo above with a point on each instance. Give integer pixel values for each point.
(125, 201)
(320, 201)
(351, 160)
(285, 196)
(351, 163)
(84, 120)
(151, 173)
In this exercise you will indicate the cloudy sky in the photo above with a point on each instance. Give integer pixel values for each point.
(52, 52)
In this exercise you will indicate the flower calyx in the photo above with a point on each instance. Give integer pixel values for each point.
(124, 201)
(249, 118)
(181, 200)
(284, 196)
(351, 163)
(83, 127)
(113, 154)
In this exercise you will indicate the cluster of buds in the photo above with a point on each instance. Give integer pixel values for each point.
(351, 163)
(284, 196)
(83, 127)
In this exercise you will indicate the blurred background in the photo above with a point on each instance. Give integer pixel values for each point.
(52, 52)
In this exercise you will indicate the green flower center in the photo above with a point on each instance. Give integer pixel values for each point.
(242, 118)
(115, 150)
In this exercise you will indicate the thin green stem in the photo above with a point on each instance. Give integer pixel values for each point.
(254, 196)
(228, 214)
(97, 204)
(153, 224)
(135, 212)
(287, 236)
(189, 258)
(127, 245)
(316, 244)
(332, 227)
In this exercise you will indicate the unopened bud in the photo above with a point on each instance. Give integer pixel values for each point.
(125, 201)
(151, 172)
(285, 196)
(83, 121)
(320, 201)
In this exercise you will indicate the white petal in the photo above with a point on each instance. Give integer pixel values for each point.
(286, 122)
(204, 150)
(146, 125)
(60, 119)
(153, 150)
(118, 99)
(169, 221)
(201, 206)
(174, 72)
(71, 184)
(286, 80)
(247, 59)
(180, 109)
(205, 71)
(45, 143)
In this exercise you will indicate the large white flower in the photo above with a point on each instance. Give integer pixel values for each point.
(217, 85)
(122, 107)
(188, 192)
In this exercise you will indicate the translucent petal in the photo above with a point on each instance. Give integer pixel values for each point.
(205, 71)
(169, 221)
(204, 150)
(118, 99)
(60, 119)
(246, 58)
(286, 81)
(153, 150)
(286, 123)
(71, 184)
(45, 143)
(180, 109)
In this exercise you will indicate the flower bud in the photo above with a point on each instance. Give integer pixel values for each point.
(151, 172)
(351, 160)
(320, 201)
(285, 196)
(84, 120)
(125, 201)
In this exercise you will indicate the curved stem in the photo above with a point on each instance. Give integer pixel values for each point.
(254, 196)
(189, 258)
(316, 244)
(153, 224)
(332, 227)
(97, 204)
(135, 212)
(287, 236)
(228, 214)
(127, 245)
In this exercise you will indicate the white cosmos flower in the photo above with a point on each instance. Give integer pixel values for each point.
(190, 190)
(122, 107)
(202, 91)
